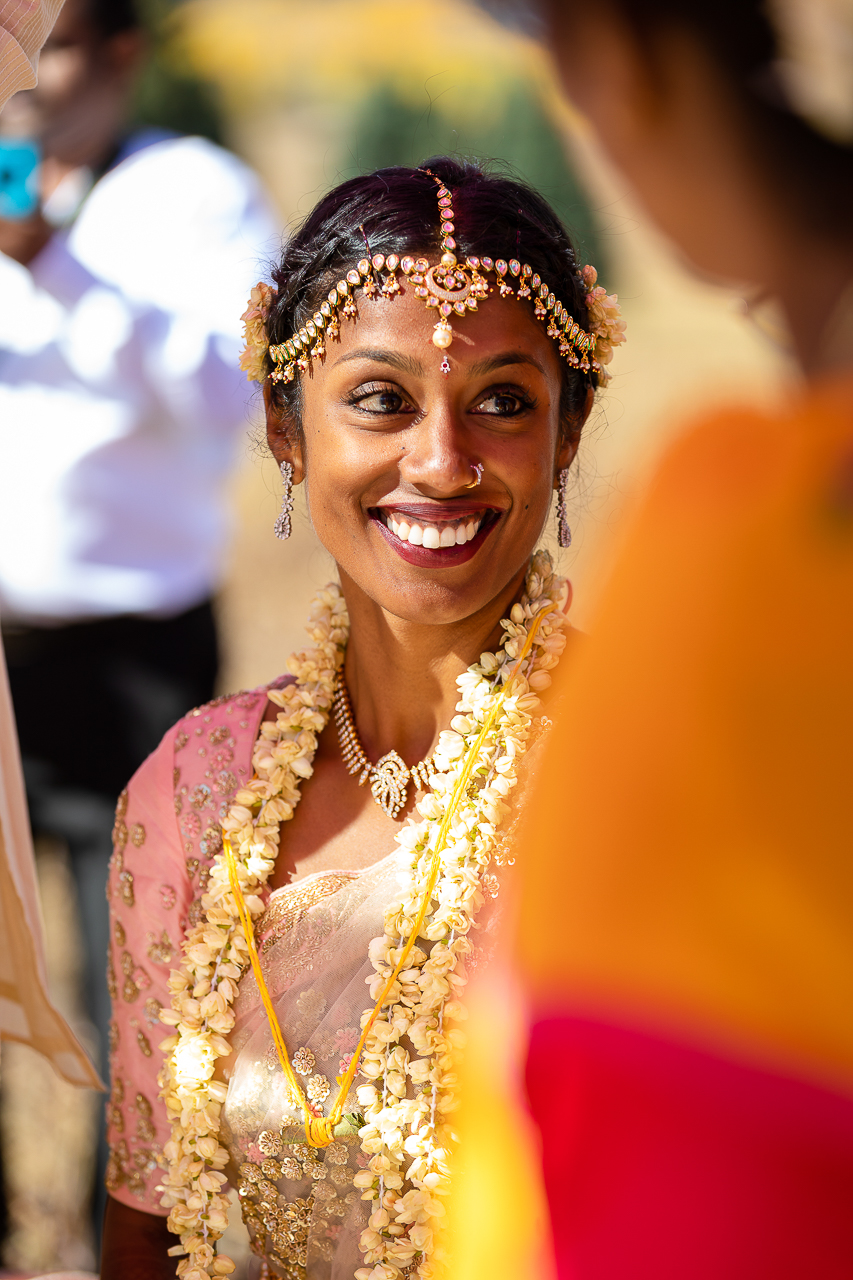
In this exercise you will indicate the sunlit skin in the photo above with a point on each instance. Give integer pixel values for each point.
(669, 122)
(386, 433)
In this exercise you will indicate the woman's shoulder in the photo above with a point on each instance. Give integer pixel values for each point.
(187, 785)
(210, 738)
(214, 735)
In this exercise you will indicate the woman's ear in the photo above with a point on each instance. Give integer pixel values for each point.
(568, 445)
(283, 435)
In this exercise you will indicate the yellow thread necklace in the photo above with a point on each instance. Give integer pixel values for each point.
(320, 1131)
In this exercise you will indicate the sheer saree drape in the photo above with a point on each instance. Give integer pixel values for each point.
(313, 943)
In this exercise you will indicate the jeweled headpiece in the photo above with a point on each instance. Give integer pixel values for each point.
(449, 286)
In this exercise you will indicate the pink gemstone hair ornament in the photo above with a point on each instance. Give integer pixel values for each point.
(450, 287)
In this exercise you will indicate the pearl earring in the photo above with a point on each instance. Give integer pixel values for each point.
(564, 533)
(282, 525)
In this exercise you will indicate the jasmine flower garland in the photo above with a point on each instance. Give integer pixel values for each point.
(406, 1139)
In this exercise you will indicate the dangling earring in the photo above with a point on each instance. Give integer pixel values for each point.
(282, 524)
(564, 533)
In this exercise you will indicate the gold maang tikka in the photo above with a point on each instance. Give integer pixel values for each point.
(450, 286)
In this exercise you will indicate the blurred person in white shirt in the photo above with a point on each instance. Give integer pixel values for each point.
(121, 410)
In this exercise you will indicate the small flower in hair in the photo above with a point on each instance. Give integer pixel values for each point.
(253, 355)
(605, 319)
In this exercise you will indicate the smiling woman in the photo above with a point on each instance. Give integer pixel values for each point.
(429, 352)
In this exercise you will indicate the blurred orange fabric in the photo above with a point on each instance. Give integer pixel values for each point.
(689, 856)
(685, 938)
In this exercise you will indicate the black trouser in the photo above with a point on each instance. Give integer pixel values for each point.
(92, 700)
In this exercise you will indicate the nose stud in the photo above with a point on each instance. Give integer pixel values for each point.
(478, 470)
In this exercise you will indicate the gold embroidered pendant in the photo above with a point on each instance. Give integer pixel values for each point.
(389, 783)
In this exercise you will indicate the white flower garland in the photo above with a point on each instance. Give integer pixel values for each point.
(494, 725)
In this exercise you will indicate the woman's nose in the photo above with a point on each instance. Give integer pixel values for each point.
(437, 456)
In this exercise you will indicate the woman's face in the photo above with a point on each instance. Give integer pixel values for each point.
(389, 447)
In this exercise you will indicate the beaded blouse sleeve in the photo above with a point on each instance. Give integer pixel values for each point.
(165, 836)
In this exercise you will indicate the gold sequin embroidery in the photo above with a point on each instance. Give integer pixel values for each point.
(125, 888)
(145, 1131)
(152, 1011)
(289, 905)
(161, 949)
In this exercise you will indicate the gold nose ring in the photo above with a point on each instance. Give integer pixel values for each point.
(478, 469)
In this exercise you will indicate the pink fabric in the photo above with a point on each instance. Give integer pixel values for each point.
(166, 835)
(663, 1162)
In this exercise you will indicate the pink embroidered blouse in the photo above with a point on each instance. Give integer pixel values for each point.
(299, 1207)
(165, 837)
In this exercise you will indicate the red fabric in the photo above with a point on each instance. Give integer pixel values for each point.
(664, 1162)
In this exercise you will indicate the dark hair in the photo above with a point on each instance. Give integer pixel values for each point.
(811, 173)
(109, 17)
(397, 208)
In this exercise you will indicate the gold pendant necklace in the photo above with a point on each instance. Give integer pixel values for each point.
(389, 778)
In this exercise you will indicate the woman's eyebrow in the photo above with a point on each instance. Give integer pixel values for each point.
(415, 367)
(406, 364)
(491, 363)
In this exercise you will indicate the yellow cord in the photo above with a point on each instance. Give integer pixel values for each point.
(249, 931)
(320, 1131)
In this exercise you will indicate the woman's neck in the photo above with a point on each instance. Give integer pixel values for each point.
(401, 675)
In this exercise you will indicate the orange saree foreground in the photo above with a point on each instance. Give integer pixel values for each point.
(685, 940)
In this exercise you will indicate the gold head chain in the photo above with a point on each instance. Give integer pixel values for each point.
(449, 286)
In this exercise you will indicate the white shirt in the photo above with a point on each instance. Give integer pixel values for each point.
(121, 401)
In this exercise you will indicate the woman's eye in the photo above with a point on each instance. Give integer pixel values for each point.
(383, 400)
(503, 404)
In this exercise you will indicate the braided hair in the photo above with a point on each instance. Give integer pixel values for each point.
(395, 211)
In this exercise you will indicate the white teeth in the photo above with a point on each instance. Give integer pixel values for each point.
(434, 536)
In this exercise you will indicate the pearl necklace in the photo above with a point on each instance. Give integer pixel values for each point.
(389, 778)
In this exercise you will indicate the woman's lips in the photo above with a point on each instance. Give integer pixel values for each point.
(433, 533)
(473, 528)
